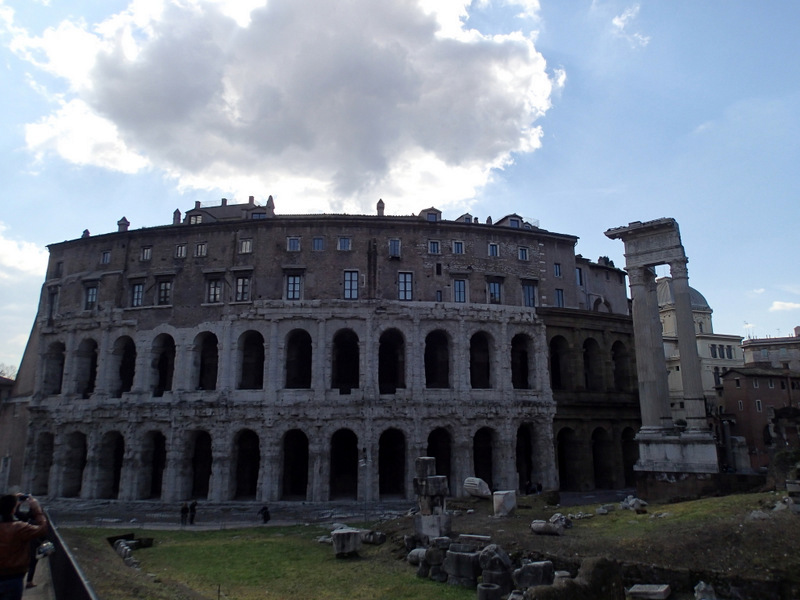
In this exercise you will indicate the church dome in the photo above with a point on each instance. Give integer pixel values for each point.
(666, 297)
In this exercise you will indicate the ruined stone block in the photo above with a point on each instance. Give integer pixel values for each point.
(505, 502)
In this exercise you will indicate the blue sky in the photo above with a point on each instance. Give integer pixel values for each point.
(581, 115)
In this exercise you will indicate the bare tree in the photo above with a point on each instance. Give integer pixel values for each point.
(9, 371)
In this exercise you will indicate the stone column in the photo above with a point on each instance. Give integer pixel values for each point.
(651, 367)
(184, 369)
(694, 398)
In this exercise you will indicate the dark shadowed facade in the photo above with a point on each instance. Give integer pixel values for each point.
(240, 354)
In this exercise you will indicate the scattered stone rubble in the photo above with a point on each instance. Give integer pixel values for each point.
(125, 544)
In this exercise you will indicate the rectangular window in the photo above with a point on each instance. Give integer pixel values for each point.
(105, 257)
(755, 383)
(514, 223)
(528, 293)
(758, 406)
(90, 299)
(741, 406)
(394, 248)
(432, 217)
(258, 216)
(351, 285)
(318, 244)
(737, 382)
(557, 269)
(201, 249)
(293, 244)
(147, 253)
(404, 289)
(458, 247)
(243, 288)
(560, 298)
(494, 250)
(195, 219)
(433, 247)
(245, 246)
(579, 276)
(523, 253)
(214, 293)
(713, 348)
(495, 288)
(344, 243)
(137, 294)
(729, 351)
(164, 293)
(293, 286)
(180, 251)
(459, 290)
(771, 384)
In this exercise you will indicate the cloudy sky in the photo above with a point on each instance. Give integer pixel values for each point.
(583, 115)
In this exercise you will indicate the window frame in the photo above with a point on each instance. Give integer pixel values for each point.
(526, 296)
(146, 254)
(164, 292)
(458, 247)
(493, 250)
(460, 295)
(494, 291)
(105, 257)
(137, 294)
(557, 269)
(294, 286)
(344, 244)
(350, 284)
(293, 243)
(214, 290)
(395, 247)
(201, 249)
(434, 247)
(559, 299)
(246, 246)
(90, 296)
(180, 250)
(242, 291)
(405, 286)
(523, 253)
(318, 244)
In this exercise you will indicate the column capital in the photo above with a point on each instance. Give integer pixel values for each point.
(641, 275)
(678, 268)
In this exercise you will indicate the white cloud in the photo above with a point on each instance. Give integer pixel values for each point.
(621, 23)
(20, 258)
(759, 291)
(341, 103)
(777, 305)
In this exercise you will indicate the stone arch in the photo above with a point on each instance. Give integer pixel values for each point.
(110, 456)
(483, 455)
(592, 365)
(623, 369)
(524, 458)
(53, 368)
(75, 455)
(602, 459)
(123, 366)
(569, 459)
(201, 460)
(42, 463)
(295, 465)
(559, 364)
(630, 454)
(86, 368)
(521, 354)
(162, 364)
(344, 361)
(480, 372)
(392, 463)
(153, 464)
(344, 465)
(250, 353)
(247, 461)
(206, 361)
(437, 359)
(391, 361)
(440, 446)
(298, 359)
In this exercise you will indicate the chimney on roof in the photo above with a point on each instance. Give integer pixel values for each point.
(251, 200)
(475, 220)
(224, 202)
(797, 332)
(122, 225)
(85, 233)
(488, 220)
(380, 208)
(197, 204)
(176, 217)
(270, 206)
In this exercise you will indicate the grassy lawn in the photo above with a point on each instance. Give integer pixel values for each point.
(264, 563)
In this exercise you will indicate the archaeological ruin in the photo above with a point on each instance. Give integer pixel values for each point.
(238, 353)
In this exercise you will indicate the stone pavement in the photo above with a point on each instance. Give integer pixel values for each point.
(44, 586)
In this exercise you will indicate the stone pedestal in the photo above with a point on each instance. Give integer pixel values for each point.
(346, 542)
(505, 502)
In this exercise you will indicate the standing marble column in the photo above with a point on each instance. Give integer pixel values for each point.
(651, 367)
(694, 399)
